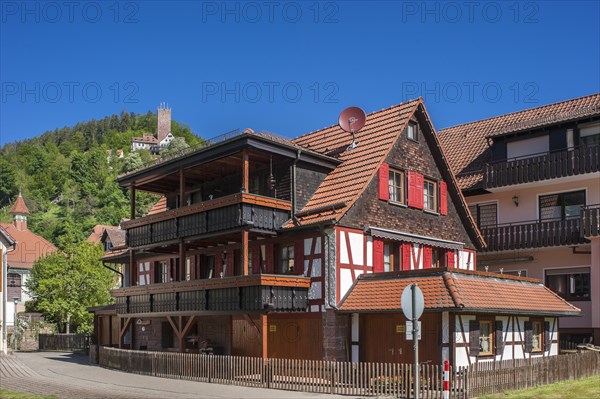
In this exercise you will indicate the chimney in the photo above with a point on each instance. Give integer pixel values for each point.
(20, 212)
(164, 122)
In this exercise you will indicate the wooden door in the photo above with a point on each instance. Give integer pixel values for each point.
(382, 338)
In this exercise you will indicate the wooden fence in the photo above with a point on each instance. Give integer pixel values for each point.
(346, 378)
(359, 379)
(64, 342)
(495, 377)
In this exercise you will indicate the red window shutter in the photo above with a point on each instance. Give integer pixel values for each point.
(406, 250)
(415, 190)
(443, 198)
(450, 259)
(377, 255)
(256, 259)
(384, 184)
(299, 257)
(427, 254)
(270, 258)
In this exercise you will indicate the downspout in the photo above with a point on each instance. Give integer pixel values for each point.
(4, 296)
(294, 218)
(116, 271)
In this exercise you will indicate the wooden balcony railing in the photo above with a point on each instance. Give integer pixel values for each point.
(535, 234)
(216, 215)
(590, 221)
(544, 166)
(240, 293)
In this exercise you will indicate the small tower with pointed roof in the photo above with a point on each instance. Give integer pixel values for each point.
(20, 212)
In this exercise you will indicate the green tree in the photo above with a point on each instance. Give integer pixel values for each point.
(8, 182)
(177, 145)
(63, 286)
(132, 161)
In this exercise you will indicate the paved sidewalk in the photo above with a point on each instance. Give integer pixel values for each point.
(71, 376)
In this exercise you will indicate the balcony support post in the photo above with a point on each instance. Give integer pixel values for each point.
(264, 335)
(181, 270)
(182, 200)
(245, 252)
(245, 172)
(132, 268)
(132, 201)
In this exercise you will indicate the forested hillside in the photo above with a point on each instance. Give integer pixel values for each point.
(67, 176)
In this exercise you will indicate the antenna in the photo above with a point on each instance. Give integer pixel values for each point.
(352, 119)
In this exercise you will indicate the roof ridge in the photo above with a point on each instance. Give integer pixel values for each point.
(450, 284)
(372, 113)
(516, 112)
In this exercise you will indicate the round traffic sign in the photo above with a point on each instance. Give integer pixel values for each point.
(406, 301)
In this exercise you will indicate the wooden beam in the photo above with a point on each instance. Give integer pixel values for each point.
(123, 330)
(245, 172)
(182, 200)
(181, 271)
(132, 268)
(245, 252)
(264, 335)
(132, 202)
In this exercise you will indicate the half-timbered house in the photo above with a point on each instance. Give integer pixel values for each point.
(258, 238)
(532, 181)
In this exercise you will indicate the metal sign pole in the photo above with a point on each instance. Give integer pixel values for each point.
(415, 331)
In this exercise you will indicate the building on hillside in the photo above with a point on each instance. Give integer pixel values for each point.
(163, 135)
(29, 248)
(7, 244)
(97, 232)
(258, 239)
(532, 181)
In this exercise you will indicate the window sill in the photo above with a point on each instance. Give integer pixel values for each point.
(396, 203)
(431, 212)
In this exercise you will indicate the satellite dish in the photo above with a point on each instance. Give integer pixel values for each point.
(352, 119)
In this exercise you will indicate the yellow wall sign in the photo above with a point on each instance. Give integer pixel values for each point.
(400, 328)
(272, 328)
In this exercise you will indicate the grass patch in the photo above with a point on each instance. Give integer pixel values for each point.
(579, 389)
(6, 394)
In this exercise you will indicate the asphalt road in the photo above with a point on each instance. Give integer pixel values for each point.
(71, 376)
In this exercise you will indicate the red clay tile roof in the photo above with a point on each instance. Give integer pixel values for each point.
(159, 207)
(97, 232)
(30, 247)
(7, 237)
(467, 161)
(343, 185)
(457, 290)
(116, 237)
(19, 206)
(145, 139)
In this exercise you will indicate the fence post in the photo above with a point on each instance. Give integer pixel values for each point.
(332, 370)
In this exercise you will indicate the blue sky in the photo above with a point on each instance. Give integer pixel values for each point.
(288, 67)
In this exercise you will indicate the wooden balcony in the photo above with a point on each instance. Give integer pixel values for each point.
(535, 234)
(590, 221)
(545, 166)
(230, 294)
(220, 214)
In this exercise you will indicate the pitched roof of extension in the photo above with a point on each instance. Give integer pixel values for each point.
(457, 290)
(467, 161)
(344, 185)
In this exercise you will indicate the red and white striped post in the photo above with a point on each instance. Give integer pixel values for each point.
(446, 379)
